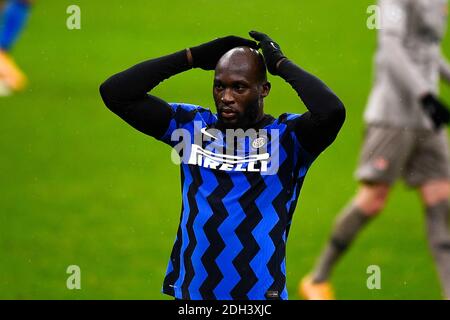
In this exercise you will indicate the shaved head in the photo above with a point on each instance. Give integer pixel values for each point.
(240, 86)
(244, 60)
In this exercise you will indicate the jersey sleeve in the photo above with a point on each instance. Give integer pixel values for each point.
(317, 128)
(302, 157)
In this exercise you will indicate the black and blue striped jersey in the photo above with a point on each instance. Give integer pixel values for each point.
(235, 217)
(237, 206)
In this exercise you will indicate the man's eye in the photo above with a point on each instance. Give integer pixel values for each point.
(218, 86)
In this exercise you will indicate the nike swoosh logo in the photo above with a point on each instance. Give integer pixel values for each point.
(206, 133)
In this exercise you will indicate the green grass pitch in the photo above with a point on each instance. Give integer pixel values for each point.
(79, 186)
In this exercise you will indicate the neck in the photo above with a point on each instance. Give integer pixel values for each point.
(256, 124)
(257, 121)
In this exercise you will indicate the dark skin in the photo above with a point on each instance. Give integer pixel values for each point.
(240, 86)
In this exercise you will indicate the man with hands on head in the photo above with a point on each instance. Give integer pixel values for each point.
(235, 219)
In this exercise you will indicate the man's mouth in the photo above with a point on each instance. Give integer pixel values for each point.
(228, 113)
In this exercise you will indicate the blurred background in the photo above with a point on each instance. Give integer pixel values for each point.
(80, 187)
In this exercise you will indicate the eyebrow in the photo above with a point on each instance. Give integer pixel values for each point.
(241, 81)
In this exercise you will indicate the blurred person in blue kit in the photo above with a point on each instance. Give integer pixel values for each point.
(13, 17)
(405, 137)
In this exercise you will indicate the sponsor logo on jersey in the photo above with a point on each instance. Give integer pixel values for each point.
(237, 150)
(225, 162)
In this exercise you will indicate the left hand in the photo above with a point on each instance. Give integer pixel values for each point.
(271, 50)
(436, 110)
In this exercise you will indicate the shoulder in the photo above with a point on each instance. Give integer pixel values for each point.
(186, 112)
(286, 124)
(287, 120)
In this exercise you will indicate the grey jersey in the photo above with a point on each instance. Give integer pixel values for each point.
(409, 62)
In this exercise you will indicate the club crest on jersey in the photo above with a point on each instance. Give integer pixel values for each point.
(259, 142)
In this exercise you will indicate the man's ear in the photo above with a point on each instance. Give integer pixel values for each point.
(265, 89)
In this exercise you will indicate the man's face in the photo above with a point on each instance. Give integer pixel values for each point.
(238, 91)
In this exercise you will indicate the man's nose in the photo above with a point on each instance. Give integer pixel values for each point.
(227, 96)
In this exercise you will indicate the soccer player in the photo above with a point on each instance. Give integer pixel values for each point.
(13, 16)
(235, 219)
(405, 136)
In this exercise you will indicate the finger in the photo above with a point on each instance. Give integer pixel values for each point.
(242, 42)
(234, 41)
(255, 35)
(258, 36)
(249, 43)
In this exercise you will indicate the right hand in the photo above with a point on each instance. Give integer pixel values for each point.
(206, 56)
(436, 109)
